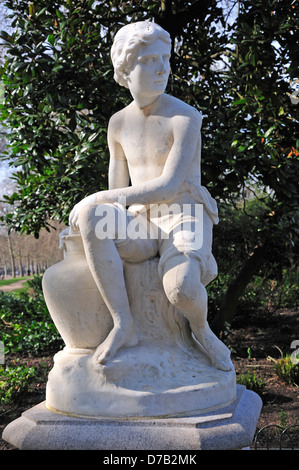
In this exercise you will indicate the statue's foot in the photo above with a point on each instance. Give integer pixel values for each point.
(215, 349)
(224, 364)
(117, 338)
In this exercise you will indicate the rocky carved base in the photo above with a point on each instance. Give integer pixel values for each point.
(165, 374)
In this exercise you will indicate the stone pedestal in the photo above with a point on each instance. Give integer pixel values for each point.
(228, 428)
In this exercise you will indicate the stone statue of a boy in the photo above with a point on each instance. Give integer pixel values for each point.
(155, 144)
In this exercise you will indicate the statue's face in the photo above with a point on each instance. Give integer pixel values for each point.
(150, 70)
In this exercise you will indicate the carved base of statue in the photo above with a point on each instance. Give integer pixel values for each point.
(165, 374)
(228, 428)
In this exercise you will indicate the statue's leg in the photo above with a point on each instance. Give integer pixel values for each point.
(106, 266)
(183, 287)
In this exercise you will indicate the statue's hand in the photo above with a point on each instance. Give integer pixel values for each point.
(74, 215)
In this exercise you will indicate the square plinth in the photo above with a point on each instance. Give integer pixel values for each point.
(232, 427)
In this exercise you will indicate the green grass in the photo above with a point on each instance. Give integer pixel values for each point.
(7, 282)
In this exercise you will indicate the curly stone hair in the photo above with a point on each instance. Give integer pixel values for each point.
(126, 43)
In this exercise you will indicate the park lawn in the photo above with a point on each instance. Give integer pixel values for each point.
(7, 282)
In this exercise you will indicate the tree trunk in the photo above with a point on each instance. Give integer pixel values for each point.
(12, 259)
(5, 268)
(20, 261)
(237, 287)
(28, 266)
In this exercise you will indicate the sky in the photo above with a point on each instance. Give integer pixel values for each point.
(4, 173)
(4, 168)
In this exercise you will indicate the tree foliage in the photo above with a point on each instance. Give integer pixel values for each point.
(265, 63)
(60, 94)
(58, 101)
(263, 154)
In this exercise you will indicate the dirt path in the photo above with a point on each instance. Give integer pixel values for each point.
(13, 286)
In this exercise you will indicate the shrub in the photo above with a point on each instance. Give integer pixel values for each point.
(26, 325)
(252, 382)
(17, 379)
(14, 381)
(274, 293)
(287, 370)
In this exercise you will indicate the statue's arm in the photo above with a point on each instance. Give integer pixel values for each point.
(118, 174)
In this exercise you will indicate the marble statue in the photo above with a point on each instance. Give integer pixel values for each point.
(135, 323)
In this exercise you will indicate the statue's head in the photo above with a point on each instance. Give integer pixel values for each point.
(127, 42)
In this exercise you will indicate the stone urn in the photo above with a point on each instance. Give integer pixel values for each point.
(74, 301)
